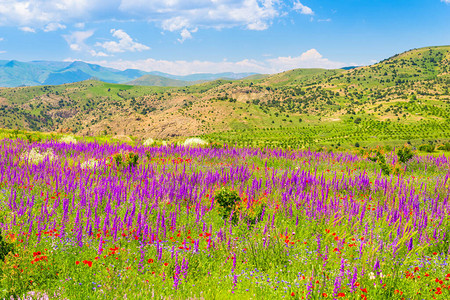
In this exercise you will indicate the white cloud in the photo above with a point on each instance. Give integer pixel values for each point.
(446, 1)
(186, 34)
(304, 10)
(309, 59)
(99, 53)
(1, 52)
(125, 43)
(39, 13)
(176, 15)
(76, 40)
(1, 39)
(27, 29)
(175, 23)
(54, 27)
(170, 15)
(252, 14)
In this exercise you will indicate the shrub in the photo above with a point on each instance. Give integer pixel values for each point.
(227, 200)
(125, 160)
(426, 148)
(215, 146)
(379, 158)
(5, 248)
(404, 154)
(445, 147)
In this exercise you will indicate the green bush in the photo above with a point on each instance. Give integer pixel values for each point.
(227, 200)
(426, 148)
(124, 160)
(5, 248)
(404, 154)
(214, 145)
(381, 160)
(445, 147)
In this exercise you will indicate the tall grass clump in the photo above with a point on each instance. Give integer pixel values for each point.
(68, 139)
(194, 142)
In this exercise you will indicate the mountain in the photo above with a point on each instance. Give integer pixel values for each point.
(14, 73)
(397, 98)
(78, 71)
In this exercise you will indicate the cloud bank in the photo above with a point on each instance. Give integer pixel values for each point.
(172, 15)
(125, 43)
(309, 59)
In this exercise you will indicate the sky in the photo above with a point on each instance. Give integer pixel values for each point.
(213, 36)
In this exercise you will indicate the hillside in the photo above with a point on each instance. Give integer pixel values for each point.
(391, 100)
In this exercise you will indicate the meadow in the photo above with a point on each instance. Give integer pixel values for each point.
(96, 220)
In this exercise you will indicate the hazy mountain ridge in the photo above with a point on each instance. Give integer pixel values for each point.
(15, 73)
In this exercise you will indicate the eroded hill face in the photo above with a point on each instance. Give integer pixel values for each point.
(406, 88)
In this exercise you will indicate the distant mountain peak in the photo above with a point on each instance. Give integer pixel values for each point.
(15, 73)
(12, 63)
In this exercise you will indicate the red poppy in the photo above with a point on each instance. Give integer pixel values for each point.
(77, 262)
(292, 294)
(166, 264)
(324, 295)
(341, 295)
(150, 261)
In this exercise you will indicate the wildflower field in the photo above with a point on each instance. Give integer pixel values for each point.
(109, 221)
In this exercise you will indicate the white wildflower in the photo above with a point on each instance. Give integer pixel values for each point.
(371, 276)
(90, 164)
(34, 156)
(68, 139)
(149, 142)
(194, 142)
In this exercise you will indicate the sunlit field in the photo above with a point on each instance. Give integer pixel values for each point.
(110, 221)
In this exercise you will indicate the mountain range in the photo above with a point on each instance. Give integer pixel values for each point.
(15, 73)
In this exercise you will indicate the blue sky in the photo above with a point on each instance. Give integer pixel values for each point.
(184, 37)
